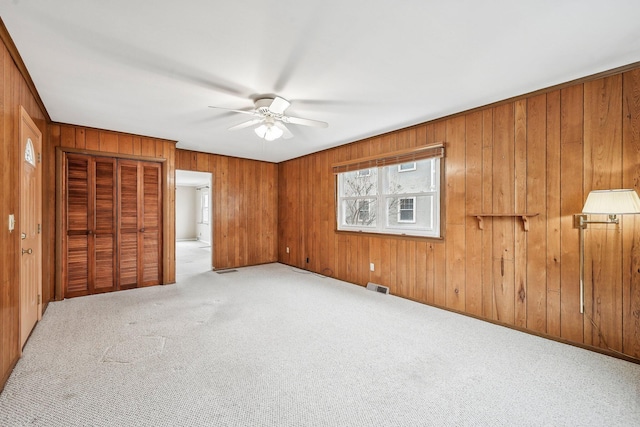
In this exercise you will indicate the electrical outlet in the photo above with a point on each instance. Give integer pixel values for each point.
(12, 222)
(372, 266)
(287, 249)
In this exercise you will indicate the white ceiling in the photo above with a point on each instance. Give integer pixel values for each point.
(365, 67)
(192, 178)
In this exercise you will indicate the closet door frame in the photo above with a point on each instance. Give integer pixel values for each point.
(60, 197)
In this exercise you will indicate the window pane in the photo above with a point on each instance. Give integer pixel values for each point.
(419, 180)
(360, 212)
(352, 184)
(406, 213)
(414, 213)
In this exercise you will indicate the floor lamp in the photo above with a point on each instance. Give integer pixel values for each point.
(604, 202)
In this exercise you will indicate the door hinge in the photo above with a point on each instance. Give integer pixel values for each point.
(39, 158)
(39, 228)
(39, 299)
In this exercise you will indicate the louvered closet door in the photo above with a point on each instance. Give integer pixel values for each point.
(140, 223)
(104, 226)
(129, 217)
(76, 244)
(151, 223)
(89, 224)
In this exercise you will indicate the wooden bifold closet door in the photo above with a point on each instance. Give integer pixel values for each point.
(112, 224)
(139, 223)
(90, 244)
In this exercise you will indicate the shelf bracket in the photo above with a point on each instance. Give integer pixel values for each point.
(524, 216)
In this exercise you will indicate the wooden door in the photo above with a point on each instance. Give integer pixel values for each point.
(30, 225)
(151, 225)
(128, 219)
(89, 222)
(102, 238)
(139, 223)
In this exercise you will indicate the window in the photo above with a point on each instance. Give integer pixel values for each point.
(406, 167)
(29, 155)
(407, 209)
(387, 200)
(205, 207)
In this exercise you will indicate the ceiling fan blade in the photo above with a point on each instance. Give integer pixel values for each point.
(245, 124)
(252, 112)
(286, 133)
(278, 105)
(304, 122)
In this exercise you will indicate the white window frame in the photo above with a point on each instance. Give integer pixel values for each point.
(204, 207)
(412, 168)
(413, 210)
(382, 225)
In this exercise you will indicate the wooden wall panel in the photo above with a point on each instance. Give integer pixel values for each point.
(553, 223)
(473, 204)
(520, 205)
(631, 224)
(455, 219)
(503, 202)
(245, 208)
(603, 243)
(571, 202)
(488, 304)
(536, 201)
(538, 154)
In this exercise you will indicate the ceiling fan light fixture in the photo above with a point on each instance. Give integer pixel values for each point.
(268, 131)
(269, 115)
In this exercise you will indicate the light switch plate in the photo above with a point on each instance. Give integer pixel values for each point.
(12, 222)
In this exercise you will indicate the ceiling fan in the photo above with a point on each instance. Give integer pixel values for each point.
(270, 118)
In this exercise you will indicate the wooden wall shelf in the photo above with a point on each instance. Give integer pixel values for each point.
(525, 218)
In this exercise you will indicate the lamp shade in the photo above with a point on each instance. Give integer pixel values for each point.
(612, 202)
(268, 131)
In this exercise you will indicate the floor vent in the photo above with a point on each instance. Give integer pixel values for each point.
(377, 288)
(226, 271)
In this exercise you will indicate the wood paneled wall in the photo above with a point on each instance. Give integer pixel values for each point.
(108, 143)
(245, 203)
(540, 154)
(14, 91)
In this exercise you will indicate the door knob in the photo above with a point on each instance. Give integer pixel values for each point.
(27, 251)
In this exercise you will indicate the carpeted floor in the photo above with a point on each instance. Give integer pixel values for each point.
(192, 257)
(274, 346)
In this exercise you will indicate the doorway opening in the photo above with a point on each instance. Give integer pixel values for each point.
(194, 225)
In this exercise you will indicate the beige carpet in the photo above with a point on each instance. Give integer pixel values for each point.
(273, 346)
